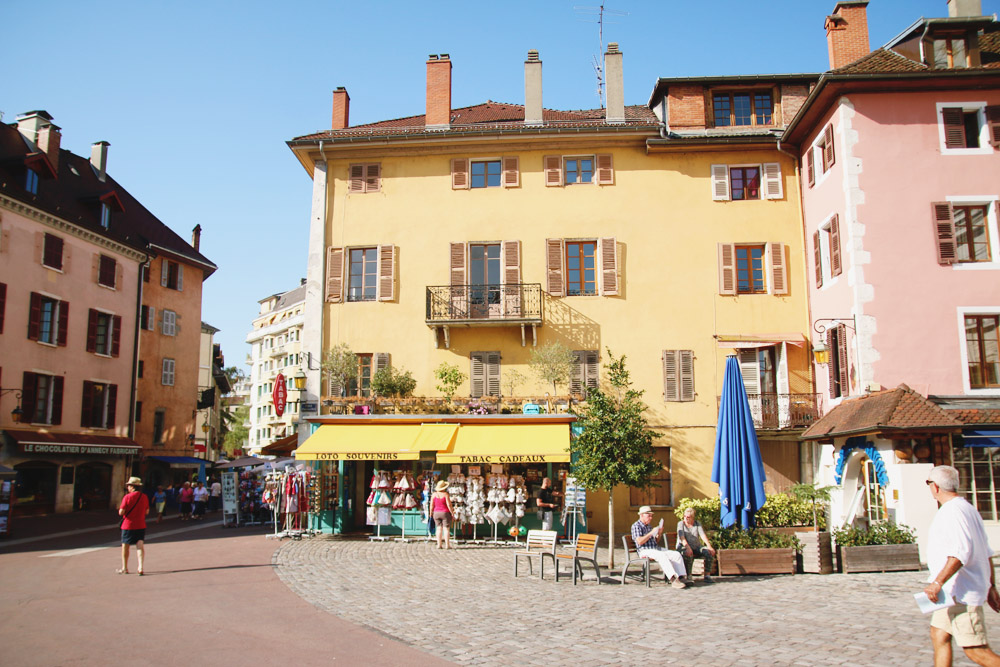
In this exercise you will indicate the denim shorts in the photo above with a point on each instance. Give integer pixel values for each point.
(133, 536)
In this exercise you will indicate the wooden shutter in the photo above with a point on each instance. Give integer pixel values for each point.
(607, 251)
(772, 181)
(373, 177)
(554, 282)
(112, 406)
(180, 277)
(836, 267)
(510, 255)
(87, 404)
(62, 308)
(57, 399)
(591, 369)
(334, 274)
(727, 269)
(92, 330)
(380, 361)
(818, 255)
(671, 382)
(605, 169)
(720, 182)
(811, 166)
(492, 373)
(34, 315)
(29, 396)
(386, 273)
(511, 172)
(779, 269)
(151, 322)
(40, 247)
(686, 374)
(843, 366)
(953, 119)
(993, 120)
(829, 156)
(356, 178)
(164, 272)
(3, 304)
(944, 232)
(577, 372)
(95, 268)
(119, 273)
(116, 334)
(553, 170)
(460, 174)
(458, 254)
(831, 370)
(477, 376)
(750, 370)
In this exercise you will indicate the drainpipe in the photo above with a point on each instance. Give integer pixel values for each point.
(144, 266)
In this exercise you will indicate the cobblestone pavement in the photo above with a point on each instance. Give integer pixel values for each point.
(466, 606)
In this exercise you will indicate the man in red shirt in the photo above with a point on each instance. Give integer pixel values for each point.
(133, 511)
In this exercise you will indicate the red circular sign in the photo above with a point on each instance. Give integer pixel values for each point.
(279, 394)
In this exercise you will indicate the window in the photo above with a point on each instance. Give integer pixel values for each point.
(99, 402)
(742, 269)
(579, 170)
(365, 177)
(103, 333)
(31, 183)
(140, 369)
(678, 375)
(742, 108)
(585, 371)
(660, 493)
(48, 319)
(750, 269)
(950, 54)
(138, 411)
(965, 232)
(979, 478)
(159, 417)
(361, 385)
(969, 128)
(41, 398)
(169, 325)
(167, 374)
(485, 174)
(874, 509)
(485, 375)
(982, 340)
(147, 318)
(837, 366)
(363, 274)
(105, 215)
(52, 252)
(581, 268)
(826, 251)
(171, 275)
(108, 267)
(743, 182)
(972, 243)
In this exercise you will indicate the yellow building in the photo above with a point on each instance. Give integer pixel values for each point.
(665, 232)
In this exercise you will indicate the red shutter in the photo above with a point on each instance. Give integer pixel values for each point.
(356, 178)
(29, 388)
(116, 334)
(609, 266)
(836, 267)
(34, 315)
(334, 274)
(811, 166)
(373, 177)
(831, 370)
(845, 387)
(61, 335)
(818, 258)
(112, 406)
(944, 232)
(555, 284)
(3, 304)
(386, 272)
(87, 405)
(686, 374)
(727, 269)
(993, 120)
(671, 385)
(553, 170)
(954, 127)
(460, 173)
(605, 169)
(92, 331)
(57, 400)
(829, 156)
(779, 269)
(511, 172)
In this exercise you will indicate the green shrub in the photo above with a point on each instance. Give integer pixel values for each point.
(780, 511)
(735, 537)
(880, 532)
(707, 510)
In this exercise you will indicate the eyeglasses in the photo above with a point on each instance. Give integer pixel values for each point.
(929, 482)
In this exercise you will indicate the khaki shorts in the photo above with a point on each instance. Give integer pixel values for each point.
(963, 622)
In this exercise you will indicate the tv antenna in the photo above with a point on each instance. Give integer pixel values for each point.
(597, 15)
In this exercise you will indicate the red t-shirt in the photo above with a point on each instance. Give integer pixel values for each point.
(135, 504)
(186, 495)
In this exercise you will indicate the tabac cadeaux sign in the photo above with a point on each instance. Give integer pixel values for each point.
(279, 394)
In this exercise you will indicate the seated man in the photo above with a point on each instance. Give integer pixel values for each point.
(647, 542)
(693, 543)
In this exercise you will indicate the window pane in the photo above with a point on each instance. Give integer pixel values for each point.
(762, 108)
(586, 170)
(741, 109)
(493, 174)
(720, 104)
(478, 175)
(571, 171)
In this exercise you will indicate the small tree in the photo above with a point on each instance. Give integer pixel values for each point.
(512, 379)
(238, 432)
(552, 362)
(816, 495)
(449, 379)
(393, 384)
(616, 444)
(339, 366)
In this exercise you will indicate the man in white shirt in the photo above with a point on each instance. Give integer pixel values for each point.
(960, 561)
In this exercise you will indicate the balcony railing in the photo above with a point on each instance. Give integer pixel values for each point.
(777, 411)
(485, 304)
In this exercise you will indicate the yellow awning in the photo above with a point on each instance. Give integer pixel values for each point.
(434, 437)
(509, 443)
(358, 442)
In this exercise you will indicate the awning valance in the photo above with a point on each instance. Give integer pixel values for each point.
(981, 437)
(358, 442)
(745, 342)
(513, 443)
(180, 461)
(80, 444)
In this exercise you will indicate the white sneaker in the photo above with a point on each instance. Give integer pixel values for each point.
(677, 583)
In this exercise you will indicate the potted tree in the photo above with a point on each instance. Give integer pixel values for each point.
(817, 550)
(393, 384)
(885, 546)
(339, 366)
(449, 378)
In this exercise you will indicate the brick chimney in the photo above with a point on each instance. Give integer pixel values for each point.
(49, 138)
(438, 92)
(963, 8)
(196, 238)
(99, 159)
(615, 112)
(847, 32)
(341, 108)
(532, 89)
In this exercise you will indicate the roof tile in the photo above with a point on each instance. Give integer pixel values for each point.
(896, 409)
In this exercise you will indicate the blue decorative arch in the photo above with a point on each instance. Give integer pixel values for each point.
(859, 442)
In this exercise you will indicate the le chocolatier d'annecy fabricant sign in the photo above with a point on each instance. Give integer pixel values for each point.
(93, 450)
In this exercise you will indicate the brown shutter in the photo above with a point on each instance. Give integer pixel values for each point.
(510, 253)
(836, 267)
(477, 376)
(829, 156)
(87, 404)
(112, 406)
(605, 169)
(63, 307)
(92, 330)
(116, 334)
(727, 269)
(818, 258)
(553, 170)
(608, 254)
(831, 371)
(460, 174)
(493, 373)
(381, 361)
(779, 269)
(993, 120)
(671, 385)
(458, 252)
(811, 166)
(591, 369)
(3, 304)
(554, 254)
(356, 178)
(180, 277)
(577, 372)
(720, 182)
(57, 400)
(334, 274)
(842, 358)
(386, 273)
(944, 232)
(29, 388)
(954, 127)
(511, 172)
(373, 177)
(34, 315)
(686, 374)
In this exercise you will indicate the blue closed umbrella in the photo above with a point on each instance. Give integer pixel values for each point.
(738, 468)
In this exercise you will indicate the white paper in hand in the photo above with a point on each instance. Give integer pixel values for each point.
(926, 606)
(660, 527)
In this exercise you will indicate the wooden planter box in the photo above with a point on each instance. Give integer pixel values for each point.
(879, 558)
(756, 561)
(817, 552)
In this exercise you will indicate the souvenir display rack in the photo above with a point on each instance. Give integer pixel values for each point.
(6, 503)
(404, 499)
(251, 487)
(379, 503)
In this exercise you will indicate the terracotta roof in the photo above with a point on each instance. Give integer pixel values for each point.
(976, 416)
(887, 61)
(891, 409)
(491, 115)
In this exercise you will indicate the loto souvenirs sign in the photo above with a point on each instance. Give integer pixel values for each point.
(279, 394)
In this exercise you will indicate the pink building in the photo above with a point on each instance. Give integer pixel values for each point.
(900, 164)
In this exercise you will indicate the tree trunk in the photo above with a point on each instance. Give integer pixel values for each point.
(611, 529)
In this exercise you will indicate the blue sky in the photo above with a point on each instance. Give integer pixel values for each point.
(198, 98)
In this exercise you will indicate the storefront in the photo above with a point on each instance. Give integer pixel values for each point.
(376, 473)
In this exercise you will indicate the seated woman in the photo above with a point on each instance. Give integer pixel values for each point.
(693, 543)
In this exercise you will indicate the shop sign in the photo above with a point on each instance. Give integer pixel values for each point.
(93, 450)
(309, 407)
(356, 456)
(279, 394)
(199, 448)
(499, 458)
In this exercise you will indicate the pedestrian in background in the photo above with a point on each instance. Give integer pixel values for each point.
(215, 500)
(442, 512)
(201, 496)
(133, 511)
(546, 502)
(961, 564)
(186, 498)
(160, 503)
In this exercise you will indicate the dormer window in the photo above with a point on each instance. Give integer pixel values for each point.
(105, 215)
(31, 183)
(741, 108)
(950, 53)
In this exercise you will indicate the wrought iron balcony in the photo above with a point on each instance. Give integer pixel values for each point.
(780, 411)
(517, 304)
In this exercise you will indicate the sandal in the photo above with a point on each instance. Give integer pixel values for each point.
(121, 571)
(140, 573)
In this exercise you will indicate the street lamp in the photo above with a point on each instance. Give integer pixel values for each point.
(16, 414)
(300, 380)
(821, 355)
